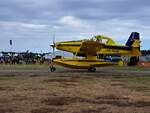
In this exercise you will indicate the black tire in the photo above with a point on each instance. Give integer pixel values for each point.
(92, 69)
(133, 61)
(52, 69)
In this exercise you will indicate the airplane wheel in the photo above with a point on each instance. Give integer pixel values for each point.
(52, 69)
(92, 69)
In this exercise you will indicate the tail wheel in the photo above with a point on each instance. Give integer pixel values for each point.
(92, 69)
(52, 69)
(133, 61)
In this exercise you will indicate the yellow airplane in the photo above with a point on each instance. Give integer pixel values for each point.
(89, 49)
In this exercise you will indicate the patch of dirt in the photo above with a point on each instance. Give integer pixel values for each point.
(110, 100)
(98, 110)
(85, 77)
(39, 91)
(33, 89)
(19, 98)
(6, 110)
(117, 84)
(141, 104)
(7, 88)
(34, 75)
(121, 101)
(111, 97)
(136, 88)
(47, 110)
(142, 88)
(68, 78)
(128, 103)
(59, 101)
(12, 75)
(118, 80)
(68, 84)
(38, 75)
(60, 80)
(4, 100)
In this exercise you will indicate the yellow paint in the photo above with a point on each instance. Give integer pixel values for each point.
(82, 64)
(75, 46)
(91, 48)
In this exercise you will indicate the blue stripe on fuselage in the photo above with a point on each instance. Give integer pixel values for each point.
(118, 47)
(105, 46)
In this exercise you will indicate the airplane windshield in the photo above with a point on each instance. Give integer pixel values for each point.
(105, 41)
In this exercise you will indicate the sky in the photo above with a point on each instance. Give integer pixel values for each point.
(32, 24)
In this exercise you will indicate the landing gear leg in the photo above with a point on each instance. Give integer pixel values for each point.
(92, 69)
(51, 67)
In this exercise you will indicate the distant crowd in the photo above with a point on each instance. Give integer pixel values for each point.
(145, 52)
(22, 58)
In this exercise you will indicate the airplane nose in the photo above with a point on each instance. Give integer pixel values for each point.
(52, 45)
(55, 44)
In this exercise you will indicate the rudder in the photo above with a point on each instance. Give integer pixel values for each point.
(134, 39)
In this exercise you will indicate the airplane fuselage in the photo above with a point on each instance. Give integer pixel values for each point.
(74, 46)
(98, 45)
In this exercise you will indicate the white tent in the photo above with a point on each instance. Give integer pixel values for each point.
(1, 54)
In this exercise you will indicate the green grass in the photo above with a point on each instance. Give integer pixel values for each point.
(129, 68)
(74, 92)
(38, 66)
(140, 79)
(23, 66)
(134, 81)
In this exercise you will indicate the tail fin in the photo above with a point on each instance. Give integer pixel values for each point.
(134, 40)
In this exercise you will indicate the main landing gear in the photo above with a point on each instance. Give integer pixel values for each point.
(92, 69)
(52, 69)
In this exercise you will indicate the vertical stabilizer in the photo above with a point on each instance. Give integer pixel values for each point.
(134, 40)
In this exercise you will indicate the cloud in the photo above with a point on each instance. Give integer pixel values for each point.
(22, 25)
(34, 22)
(71, 21)
(34, 26)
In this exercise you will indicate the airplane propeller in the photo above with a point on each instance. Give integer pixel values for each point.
(52, 68)
(53, 45)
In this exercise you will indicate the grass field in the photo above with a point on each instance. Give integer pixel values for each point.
(33, 89)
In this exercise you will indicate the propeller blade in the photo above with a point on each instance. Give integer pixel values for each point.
(53, 45)
(53, 50)
(54, 39)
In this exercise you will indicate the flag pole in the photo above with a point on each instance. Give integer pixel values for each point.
(11, 55)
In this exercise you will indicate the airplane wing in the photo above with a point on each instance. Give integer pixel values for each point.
(89, 47)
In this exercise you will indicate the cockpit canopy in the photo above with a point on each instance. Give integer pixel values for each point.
(103, 39)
